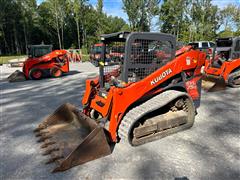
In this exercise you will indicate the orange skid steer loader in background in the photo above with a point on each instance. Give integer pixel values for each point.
(42, 62)
(141, 99)
(224, 66)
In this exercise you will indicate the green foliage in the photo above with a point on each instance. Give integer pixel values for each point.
(77, 24)
(172, 16)
(140, 13)
(189, 20)
(226, 33)
(63, 23)
(85, 51)
(5, 59)
(237, 33)
(100, 6)
(77, 8)
(230, 20)
(85, 57)
(114, 24)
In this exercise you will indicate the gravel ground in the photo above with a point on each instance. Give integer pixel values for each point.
(209, 150)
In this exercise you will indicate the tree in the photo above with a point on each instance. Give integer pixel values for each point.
(205, 17)
(140, 13)
(189, 20)
(11, 27)
(230, 19)
(172, 17)
(100, 6)
(226, 33)
(28, 14)
(114, 24)
(100, 17)
(4, 9)
(77, 9)
(57, 18)
(64, 24)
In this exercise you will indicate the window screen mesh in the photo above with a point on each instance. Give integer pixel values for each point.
(143, 58)
(147, 56)
(113, 60)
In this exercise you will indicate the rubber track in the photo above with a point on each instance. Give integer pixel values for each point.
(233, 75)
(149, 106)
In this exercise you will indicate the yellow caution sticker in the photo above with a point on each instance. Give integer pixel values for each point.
(101, 63)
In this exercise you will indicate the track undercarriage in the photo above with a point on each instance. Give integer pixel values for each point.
(153, 120)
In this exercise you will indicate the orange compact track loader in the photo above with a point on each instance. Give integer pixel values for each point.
(224, 66)
(42, 62)
(95, 54)
(141, 99)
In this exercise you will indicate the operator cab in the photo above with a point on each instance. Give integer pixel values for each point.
(226, 49)
(96, 49)
(35, 51)
(143, 54)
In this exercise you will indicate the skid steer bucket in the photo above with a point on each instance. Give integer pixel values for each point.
(17, 76)
(71, 138)
(211, 83)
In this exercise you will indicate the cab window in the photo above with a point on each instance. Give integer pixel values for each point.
(204, 45)
(194, 45)
(237, 47)
(212, 44)
(38, 52)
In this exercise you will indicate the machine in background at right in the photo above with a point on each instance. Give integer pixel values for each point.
(223, 68)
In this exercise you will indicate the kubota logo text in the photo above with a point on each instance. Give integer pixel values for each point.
(163, 75)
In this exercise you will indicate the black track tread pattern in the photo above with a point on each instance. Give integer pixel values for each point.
(231, 77)
(150, 105)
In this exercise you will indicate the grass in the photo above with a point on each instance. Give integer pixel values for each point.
(5, 59)
(85, 57)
